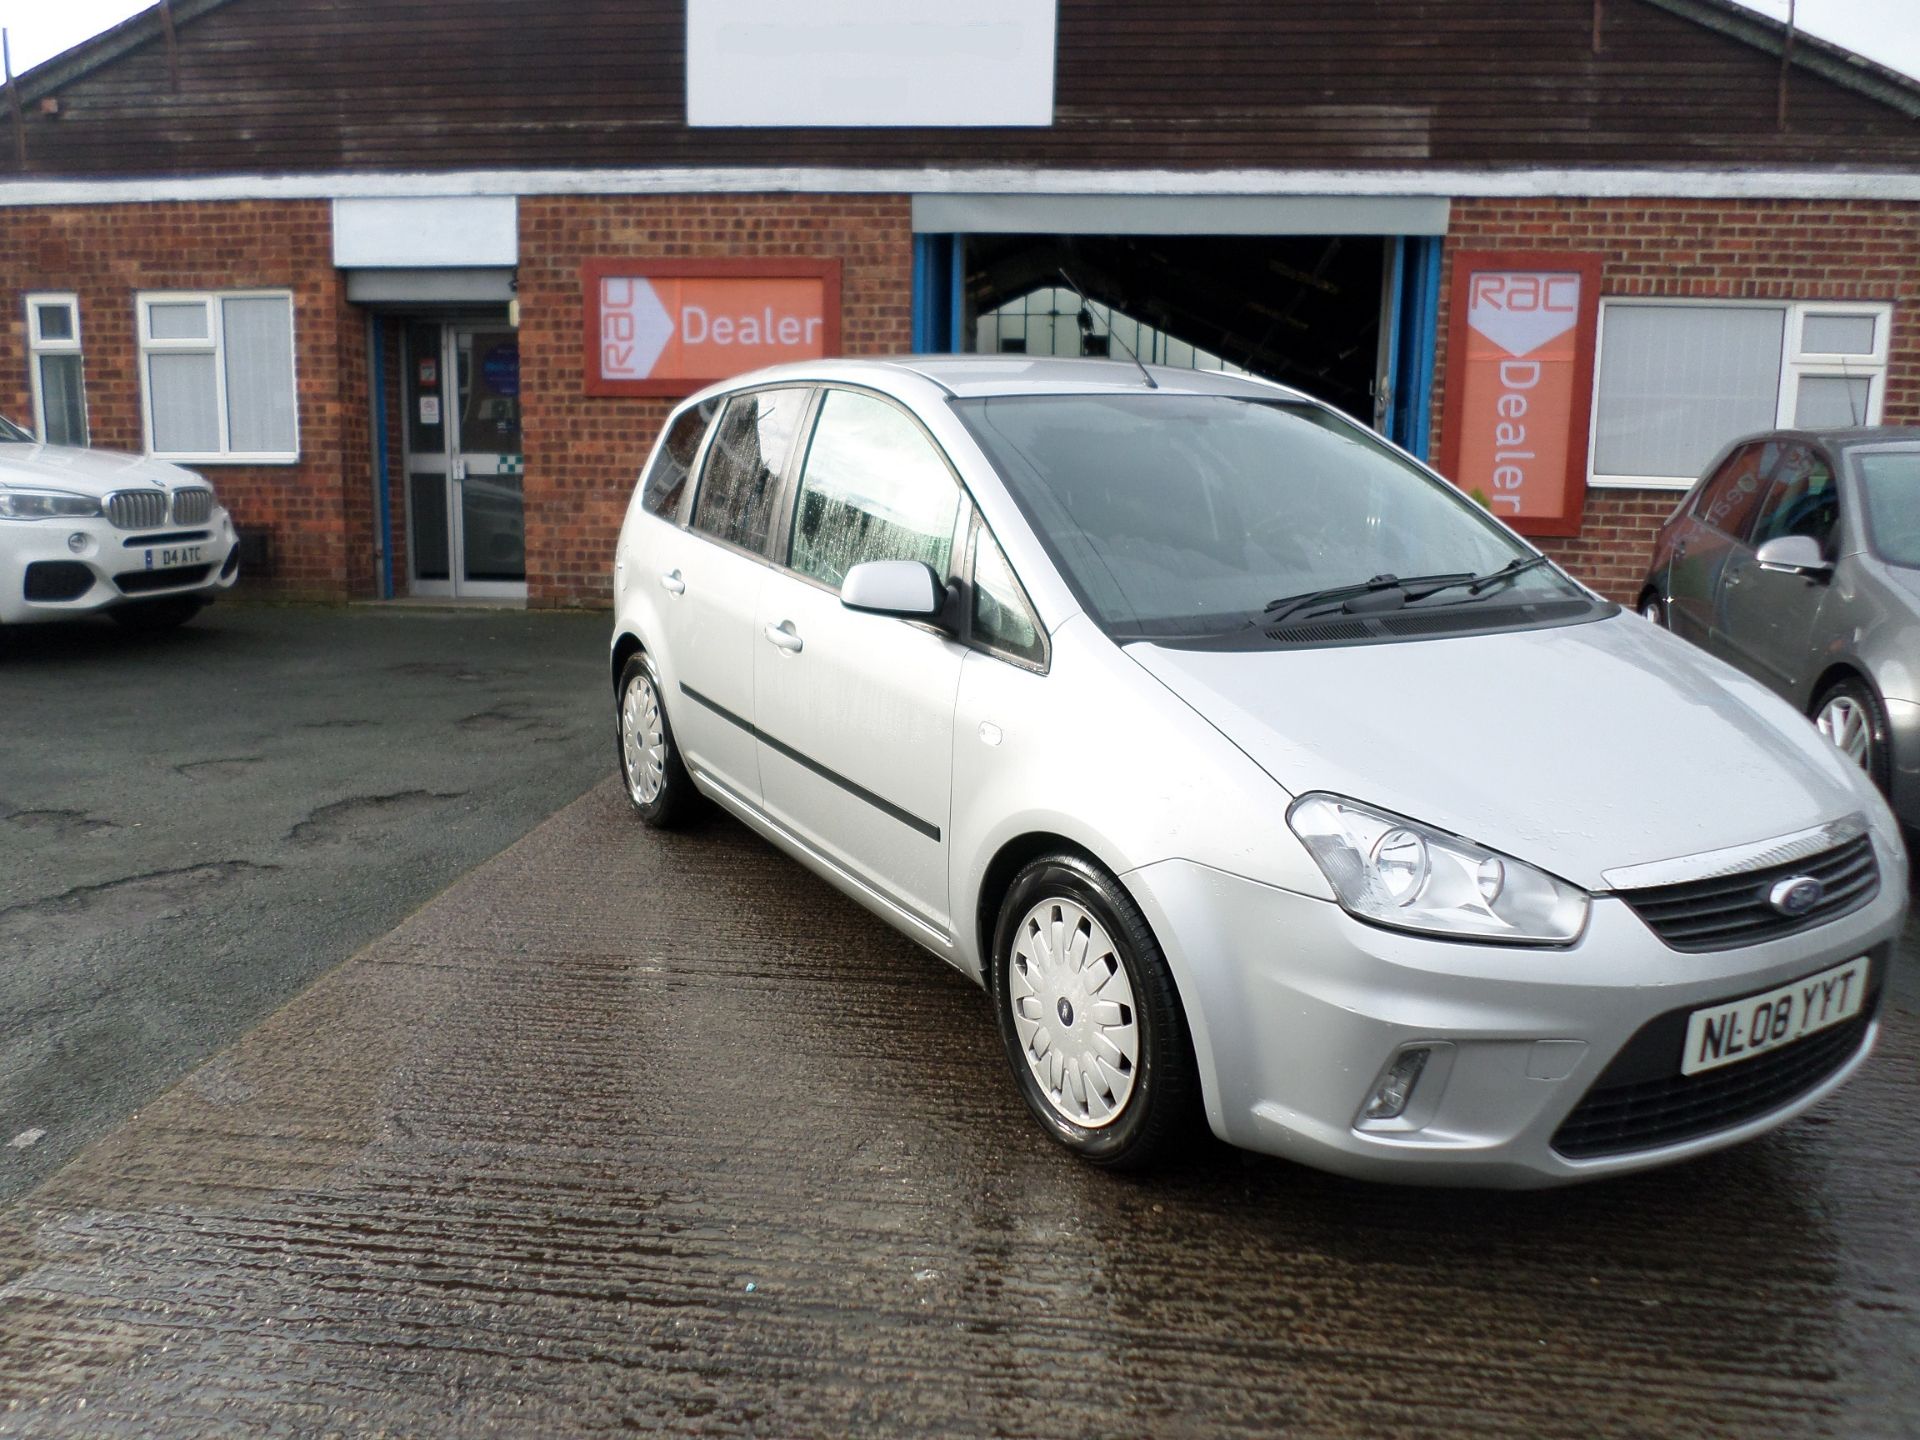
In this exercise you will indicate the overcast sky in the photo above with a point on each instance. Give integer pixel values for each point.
(1884, 30)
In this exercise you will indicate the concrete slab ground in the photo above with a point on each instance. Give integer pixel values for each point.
(194, 826)
(641, 1133)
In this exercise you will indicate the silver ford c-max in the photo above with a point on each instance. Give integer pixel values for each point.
(1252, 769)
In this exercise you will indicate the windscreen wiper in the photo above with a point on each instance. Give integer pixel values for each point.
(1411, 587)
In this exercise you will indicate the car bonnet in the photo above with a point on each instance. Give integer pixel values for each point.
(1579, 748)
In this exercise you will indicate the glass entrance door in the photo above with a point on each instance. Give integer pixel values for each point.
(466, 507)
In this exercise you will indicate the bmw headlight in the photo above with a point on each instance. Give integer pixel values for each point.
(46, 505)
(1394, 871)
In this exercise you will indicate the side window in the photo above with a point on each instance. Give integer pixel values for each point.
(874, 488)
(740, 483)
(1003, 621)
(667, 479)
(1802, 500)
(1727, 503)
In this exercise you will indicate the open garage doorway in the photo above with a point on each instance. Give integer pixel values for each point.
(1303, 310)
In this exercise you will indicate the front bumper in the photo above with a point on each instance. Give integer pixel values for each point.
(1297, 1008)
(115, 567)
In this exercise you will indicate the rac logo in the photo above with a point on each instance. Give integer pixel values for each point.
(1522, 310)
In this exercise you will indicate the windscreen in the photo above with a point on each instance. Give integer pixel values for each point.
(1177, 514)
(12, 434)
(1890, 490)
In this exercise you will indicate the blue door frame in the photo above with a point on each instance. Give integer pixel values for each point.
(939, 293)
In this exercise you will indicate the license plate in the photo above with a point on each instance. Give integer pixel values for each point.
(177, 555)
(1723, 1034)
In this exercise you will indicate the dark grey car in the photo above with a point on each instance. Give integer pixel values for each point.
(1796, 558)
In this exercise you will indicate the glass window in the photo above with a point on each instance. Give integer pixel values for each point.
(1002, 619)
(56, 370)
(1177, 514)
(1824, 334)
(874, 488)
(1802, 500)
(740, 483)
(219, 376)
(1890, 492)
(1728, 500)
(667, 477)
(1828, 402)
(1679, 381)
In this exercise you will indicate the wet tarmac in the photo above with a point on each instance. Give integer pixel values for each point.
(630, 1133)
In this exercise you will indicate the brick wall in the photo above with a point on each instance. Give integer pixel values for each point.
(1732, 249)
(106, 253)
(583, 454)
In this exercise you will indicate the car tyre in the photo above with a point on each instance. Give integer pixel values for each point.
(151, 617)
(1653, 608)
(656, 781)
(1089, 1017)
(1849, 713)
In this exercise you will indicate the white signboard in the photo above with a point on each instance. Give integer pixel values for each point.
(870, 62)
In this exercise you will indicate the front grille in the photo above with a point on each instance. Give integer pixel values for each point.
(137, 509)
(192, 507)
(139, 582)
(171, 537)
(1729, 911)
(1627, 1110)
(57, 580)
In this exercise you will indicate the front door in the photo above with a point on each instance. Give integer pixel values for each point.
(466, 513)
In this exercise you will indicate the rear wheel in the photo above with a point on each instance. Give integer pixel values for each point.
(1850, 714)
(656, 781)
(149, 617)
(1089, 1017)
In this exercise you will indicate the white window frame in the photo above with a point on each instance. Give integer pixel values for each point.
(1794, 363)
(215, 345)
(38, 345)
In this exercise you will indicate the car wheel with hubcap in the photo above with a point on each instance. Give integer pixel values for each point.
(1850, 714)
(1089, 1016)
(656, 782)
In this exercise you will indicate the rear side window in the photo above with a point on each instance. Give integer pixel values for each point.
(1729, 499)
(740, 484)
(667, 479)
(874, 488)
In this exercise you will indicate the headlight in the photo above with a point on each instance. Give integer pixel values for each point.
(45, 505)
(1397, 872)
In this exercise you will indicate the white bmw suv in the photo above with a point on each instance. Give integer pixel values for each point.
(1255, 772)
(83, 531)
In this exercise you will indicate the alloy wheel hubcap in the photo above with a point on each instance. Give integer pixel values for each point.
(1843, 720)
(643, 741)
(1073, 1012)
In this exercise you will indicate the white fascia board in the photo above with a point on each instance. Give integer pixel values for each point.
(1809, 184)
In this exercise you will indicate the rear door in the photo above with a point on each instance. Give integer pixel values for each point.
(1768, 617)
(855, 711)
(1716, 529)
(713, 584)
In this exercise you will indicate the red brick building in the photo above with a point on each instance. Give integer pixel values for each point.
(364, 264)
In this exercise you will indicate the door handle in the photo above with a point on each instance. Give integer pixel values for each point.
(783, 637)
(672, 583)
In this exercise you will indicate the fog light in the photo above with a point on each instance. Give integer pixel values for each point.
(1390, 1096)
(76, 542)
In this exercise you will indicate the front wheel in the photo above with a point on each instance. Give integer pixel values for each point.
(656, 781)
(1850, 714)
(1089, 1017)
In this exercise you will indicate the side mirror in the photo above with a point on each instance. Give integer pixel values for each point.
(1794, 555)
(907, 588)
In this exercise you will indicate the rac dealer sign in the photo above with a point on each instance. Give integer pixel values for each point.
(668, 327)
(1520, 385)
